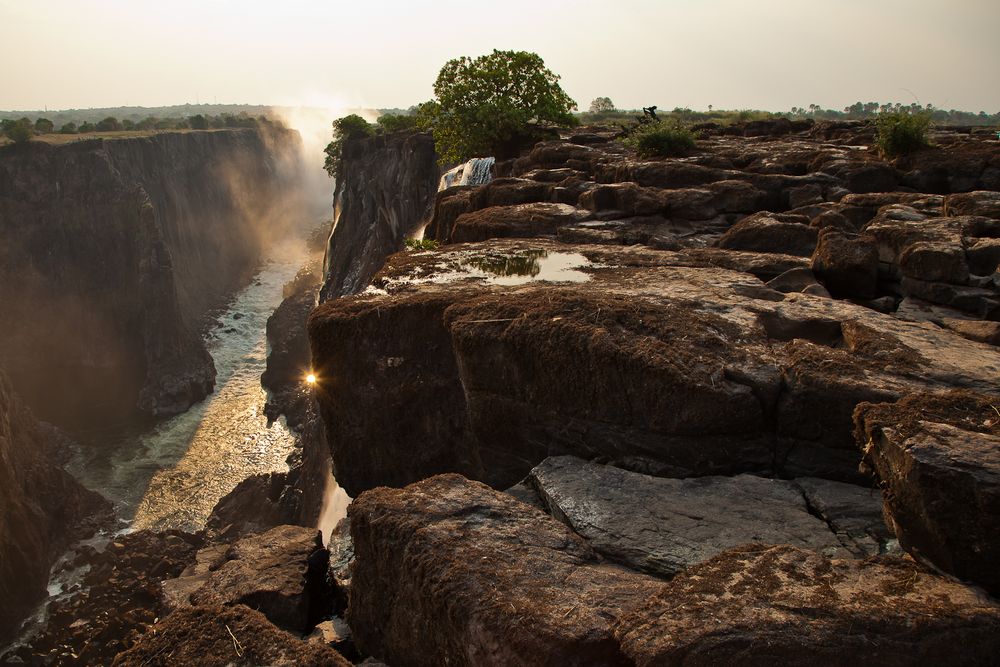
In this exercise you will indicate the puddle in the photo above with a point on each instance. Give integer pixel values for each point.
(526, 267)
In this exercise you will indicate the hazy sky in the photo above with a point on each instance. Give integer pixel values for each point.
(768, 54)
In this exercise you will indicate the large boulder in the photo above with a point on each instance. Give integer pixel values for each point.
(663, 526)
(524, 220)
(281, 573)
(938, 458)
(848, 267)
(764, 605)
(448, 571)
(766, 232)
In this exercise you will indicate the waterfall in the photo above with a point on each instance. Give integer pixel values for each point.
(477, 171)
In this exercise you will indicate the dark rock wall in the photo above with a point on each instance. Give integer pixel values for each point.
(42, 509)
(112, 252)
(388, 186)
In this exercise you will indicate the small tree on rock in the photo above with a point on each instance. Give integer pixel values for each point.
(348, 127)
(492, 104)
(602, 105)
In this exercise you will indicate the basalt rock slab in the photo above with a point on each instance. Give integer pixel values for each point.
(217, 636)
(448, 571)
(847, 266)
(938, 459)
(853, 512)
(765, 605)
(281, 572)
(663, 526)
(494, 356)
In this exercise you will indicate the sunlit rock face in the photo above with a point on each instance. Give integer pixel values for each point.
(388, 186)
(113, 251)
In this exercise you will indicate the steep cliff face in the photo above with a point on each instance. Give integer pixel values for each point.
(42, 509)
(388, 186)
(113, 251)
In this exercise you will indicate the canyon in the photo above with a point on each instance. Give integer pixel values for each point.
(739, 406)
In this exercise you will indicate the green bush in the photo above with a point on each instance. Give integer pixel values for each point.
(662, 139)
(18, 131)
(421, 244)
(43, 125)
(68, 128)
(396, 123)
(901, 133)
(109, 124)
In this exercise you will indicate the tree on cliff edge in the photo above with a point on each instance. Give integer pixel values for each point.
(493, 104)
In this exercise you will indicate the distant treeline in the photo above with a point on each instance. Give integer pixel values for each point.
(138, 114)
(857, 111)
(112, 124)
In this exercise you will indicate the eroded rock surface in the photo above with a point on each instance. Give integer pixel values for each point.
(938, 458)
(508, 351)
(663, 526)
(763, 604)
(450, 571)
(219, 636)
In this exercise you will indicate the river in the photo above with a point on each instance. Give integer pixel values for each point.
(172, 474)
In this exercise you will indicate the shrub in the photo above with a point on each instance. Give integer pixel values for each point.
(198, 122)
(86, 126)
(492, 104)
(900, 133)
(109, 124)
(396, 123)
(18, 131)
(421, 244)
(43, 125)
(662, 139)
(68, 128)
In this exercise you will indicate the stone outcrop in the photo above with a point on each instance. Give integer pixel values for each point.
(938, 459)
(388, 185)
(220, 636)
(663, 526)
(659, 360)
(762, 604)
(114, 251)
(280, 573)
(448, 571)
(42, 509)
(474, 577)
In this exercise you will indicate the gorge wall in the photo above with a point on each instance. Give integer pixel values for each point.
(112, 252)
(388, 184)
(44, 508)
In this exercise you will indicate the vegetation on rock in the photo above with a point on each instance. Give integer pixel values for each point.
(493, 104)
(18, 131)
(663, 138)
(901, 133)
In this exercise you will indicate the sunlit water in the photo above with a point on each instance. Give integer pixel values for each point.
(172, 475)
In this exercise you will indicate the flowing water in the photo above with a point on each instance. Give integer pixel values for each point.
(173, 474)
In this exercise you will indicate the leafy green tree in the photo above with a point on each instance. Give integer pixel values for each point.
(128, 124)
(395, 122)
(18, 131)
(68, 128)
(43, 126)
(602, 105)
(348, 127)
(493, 104)
(109, 124)
(87, 126)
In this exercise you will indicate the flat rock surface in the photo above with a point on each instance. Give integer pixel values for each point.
(766, 605)
(216, 636)
(663, 526)
(448, 571)
(853, 512)
(938, 457)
